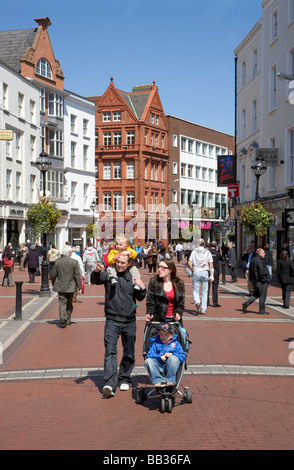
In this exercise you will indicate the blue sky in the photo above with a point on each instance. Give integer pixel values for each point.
(186, 46)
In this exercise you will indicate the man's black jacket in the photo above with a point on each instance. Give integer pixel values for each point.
(258, 271)
(120, 299)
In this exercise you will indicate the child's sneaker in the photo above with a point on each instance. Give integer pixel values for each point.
(113, 281)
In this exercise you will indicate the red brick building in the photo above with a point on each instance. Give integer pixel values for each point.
(132, 161)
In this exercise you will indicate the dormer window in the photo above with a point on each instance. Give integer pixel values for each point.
(44, 69)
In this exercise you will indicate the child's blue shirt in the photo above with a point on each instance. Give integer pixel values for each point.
(158, 349)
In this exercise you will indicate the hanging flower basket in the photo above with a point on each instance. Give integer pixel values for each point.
(93, 230)
(256, 219)
(44, 216)
(90, 230)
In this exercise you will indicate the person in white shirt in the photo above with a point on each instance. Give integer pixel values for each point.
(75, 256)
(179, 252)
(201, 265)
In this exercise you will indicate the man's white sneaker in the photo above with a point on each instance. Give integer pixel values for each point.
(124, 386)
(107, 390)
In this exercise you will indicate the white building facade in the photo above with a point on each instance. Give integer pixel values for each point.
(266, 119)
(20, 178)
(193, 177)
(79, 165)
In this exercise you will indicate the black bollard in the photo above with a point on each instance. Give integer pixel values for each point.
(18, 304)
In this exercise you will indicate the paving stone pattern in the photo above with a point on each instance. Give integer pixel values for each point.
(239, 369)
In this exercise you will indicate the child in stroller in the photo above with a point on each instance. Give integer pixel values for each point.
(164, 357)
(165, 350)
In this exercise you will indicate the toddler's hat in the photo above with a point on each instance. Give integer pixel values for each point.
(166, 327)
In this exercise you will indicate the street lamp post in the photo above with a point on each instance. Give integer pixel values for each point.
(43, 164)
(92, 207)
(285, 76)
(258, 169)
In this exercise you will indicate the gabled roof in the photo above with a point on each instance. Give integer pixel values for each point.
(13, 45)
(136, 101)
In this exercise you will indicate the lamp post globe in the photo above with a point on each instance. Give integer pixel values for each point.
(258, 169)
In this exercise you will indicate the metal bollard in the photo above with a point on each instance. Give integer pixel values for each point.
(18, 304)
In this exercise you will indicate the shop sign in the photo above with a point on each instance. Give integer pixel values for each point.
(6, 134)
(233, 190)
(270, 156)
(289, 217)
(205, 225)
(228, 223)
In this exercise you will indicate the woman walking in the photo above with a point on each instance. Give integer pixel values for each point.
(166, 294)
(152, 259)
(286, 277)
(7, 259)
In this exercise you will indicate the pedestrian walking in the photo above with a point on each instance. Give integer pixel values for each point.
(286, 277)
(77, 257)
(32, 260)
(246, 258)
(179, 251)
(139, 251)
(268, 259)
(201, 265)
(39, 250)
(65, 280)
(259, 276)
(7, 260)
(23, 253)
(166, 294)
(145, 256)
(52, 256)
(231, 261)
(18, 255)
(152, 259)
(120, 312)
(90, 259)
(217, 259)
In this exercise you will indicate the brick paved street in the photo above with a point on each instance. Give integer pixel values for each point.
(239, 372)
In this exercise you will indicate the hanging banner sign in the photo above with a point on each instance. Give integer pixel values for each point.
(226, 170)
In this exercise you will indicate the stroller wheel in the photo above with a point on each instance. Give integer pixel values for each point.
(166, 404)
(140, 396)
(188, 395)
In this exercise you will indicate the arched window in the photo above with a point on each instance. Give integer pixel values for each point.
(44, 69)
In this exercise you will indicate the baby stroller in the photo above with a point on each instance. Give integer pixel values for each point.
(166, 394)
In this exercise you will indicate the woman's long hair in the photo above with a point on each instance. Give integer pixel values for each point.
(284, 255)
(7, 252)
(176, 281)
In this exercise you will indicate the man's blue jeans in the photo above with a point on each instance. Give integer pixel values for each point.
(162, 372)
(200, 278)
(127, 331)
